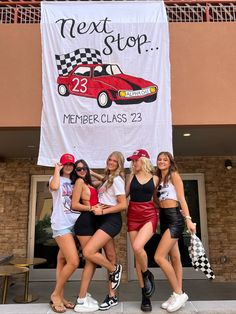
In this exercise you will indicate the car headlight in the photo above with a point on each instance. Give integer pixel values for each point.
(153, 89)
(122, 93)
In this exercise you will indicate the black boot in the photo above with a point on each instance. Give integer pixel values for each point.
(146, 305)
(149, 285)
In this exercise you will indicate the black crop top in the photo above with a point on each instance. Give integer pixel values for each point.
(141, 192)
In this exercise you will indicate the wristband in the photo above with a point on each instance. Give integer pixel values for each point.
(188, 217)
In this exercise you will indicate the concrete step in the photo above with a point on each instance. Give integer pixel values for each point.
(201, 307)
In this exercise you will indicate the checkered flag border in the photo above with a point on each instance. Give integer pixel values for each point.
(198, 257)
(67, 62)
(203, 264)
(196, 248)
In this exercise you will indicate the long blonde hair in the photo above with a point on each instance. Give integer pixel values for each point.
(147, 166)
(120, 171)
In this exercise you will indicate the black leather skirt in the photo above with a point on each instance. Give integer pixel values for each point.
(172, 219)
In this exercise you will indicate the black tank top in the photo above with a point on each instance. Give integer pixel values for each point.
(141, 192)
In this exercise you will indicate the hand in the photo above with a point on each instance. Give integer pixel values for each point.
(97, 210)
(191, 226)
(91, 172)
(58, 166)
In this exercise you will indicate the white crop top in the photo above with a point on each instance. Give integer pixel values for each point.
(167, 192)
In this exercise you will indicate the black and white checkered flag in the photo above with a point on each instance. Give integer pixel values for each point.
(198, 257)
(66, 62)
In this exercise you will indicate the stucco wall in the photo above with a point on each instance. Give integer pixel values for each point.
(203, 67)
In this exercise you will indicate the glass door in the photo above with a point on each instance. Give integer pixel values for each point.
(194, 187)
(40, 241)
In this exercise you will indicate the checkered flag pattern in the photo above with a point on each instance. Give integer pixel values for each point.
(198, 257)
(66, 62)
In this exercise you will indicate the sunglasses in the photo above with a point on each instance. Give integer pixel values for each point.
(81, 168)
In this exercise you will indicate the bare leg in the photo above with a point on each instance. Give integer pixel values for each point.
(91, 250)
(61, 261)
(88, 271)
(68, 249)
(132, 236)
(176, 263)
(110, 253)
(138, 241)
(165, 246)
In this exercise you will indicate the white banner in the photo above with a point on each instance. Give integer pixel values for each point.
(106, 80)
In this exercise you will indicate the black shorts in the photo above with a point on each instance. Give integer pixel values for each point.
(171, 218)
(110, 223)
(86, 224)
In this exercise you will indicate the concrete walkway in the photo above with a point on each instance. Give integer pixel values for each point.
(206, 297)
(201, 307)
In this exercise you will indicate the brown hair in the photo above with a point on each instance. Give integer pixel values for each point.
(172, 168)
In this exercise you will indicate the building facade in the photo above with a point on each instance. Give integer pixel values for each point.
(203, 68)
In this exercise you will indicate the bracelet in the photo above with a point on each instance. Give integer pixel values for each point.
(188, 217)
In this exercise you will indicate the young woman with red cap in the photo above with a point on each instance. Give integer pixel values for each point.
(173, 211)
(142, 219)
(62, 223)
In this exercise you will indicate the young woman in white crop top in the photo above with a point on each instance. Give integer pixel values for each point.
(173, 209)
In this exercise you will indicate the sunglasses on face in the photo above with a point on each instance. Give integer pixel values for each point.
(81, 168)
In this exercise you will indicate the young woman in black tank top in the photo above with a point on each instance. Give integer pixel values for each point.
(142, 219)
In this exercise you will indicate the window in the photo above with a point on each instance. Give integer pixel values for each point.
(83, 71)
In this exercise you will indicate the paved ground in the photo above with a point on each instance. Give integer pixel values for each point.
(206, 297)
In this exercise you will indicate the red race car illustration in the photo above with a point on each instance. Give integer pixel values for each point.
(106, 83)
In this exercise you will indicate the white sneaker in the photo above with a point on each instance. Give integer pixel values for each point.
(85, 305)
(178, 300)
(167, 303)
(91, 298)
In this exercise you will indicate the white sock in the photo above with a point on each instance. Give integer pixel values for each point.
(80, 300)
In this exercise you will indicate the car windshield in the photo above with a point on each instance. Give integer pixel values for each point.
(106, 70)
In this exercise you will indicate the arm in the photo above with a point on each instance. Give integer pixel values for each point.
(99, 178)
(127, 186)
(55, 182)
(96, 175)
(155, 198)
(178, 184)
(76, 196)
(106, 209)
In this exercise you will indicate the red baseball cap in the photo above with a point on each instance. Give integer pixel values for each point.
(137, 154)
(67, 158)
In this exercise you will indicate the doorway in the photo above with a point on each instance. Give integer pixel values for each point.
(194, 187)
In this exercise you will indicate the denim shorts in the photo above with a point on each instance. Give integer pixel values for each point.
(61, 232)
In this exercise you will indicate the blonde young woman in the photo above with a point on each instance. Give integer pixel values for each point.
(173, 211)
(112, 201)
(142, 219)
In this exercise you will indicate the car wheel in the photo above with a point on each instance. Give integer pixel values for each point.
(151, 98)
(104, 100)
(62, 90)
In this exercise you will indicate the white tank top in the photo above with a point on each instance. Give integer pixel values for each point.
(167, 192)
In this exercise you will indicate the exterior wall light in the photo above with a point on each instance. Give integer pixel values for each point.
(228, 164)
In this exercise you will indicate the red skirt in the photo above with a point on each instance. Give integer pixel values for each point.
(140, 213)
